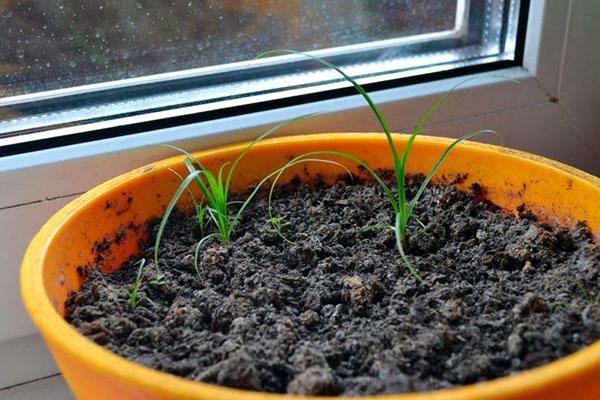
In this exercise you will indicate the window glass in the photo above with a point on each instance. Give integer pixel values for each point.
(72, 63)
(56, 44)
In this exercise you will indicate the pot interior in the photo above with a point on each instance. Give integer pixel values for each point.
(104, 226)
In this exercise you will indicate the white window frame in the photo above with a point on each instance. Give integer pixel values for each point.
(546, 114)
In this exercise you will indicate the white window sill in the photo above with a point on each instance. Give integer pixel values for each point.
(53, 387)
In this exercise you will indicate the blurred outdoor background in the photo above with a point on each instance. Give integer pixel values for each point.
(52, 44)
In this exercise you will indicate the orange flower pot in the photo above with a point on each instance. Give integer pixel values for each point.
(555, 192)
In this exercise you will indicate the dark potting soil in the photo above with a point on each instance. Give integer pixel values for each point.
(336, 312)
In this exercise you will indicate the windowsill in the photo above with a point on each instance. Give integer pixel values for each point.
(52, 387)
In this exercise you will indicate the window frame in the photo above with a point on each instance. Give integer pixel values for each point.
(24, 142)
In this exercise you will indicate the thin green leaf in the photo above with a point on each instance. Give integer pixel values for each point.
(407, 263)
(132, 292)
(417, 233)
(220, 176)
(258, 139)
(384, 125)
(420, 223)
(276, 221)
(371, 228)
(357, 160)
(200, 218)
(138, 276)
(192, 197)
(158, 280)
(296, 161)
(445, 154)
(197, 252)
(203, 188)
(424, 120)
(185, 152)
(222, 223)
(220, 203)
(198, 207)
(186, 182)
(278, 224)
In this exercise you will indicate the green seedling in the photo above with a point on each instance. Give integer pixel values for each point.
(556, 304)
(365, 230)
(198, 205)
(215, 189)
(132, 291)
(403, 208)
(587, 294)
(278, 222)
(158, 280)
(197, 254)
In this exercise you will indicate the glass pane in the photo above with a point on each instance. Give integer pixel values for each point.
(75, 63)
(55, 44)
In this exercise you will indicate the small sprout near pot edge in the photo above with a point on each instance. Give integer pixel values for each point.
(587, 294)
(132, 291)
(278, 222)
(554, 305)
